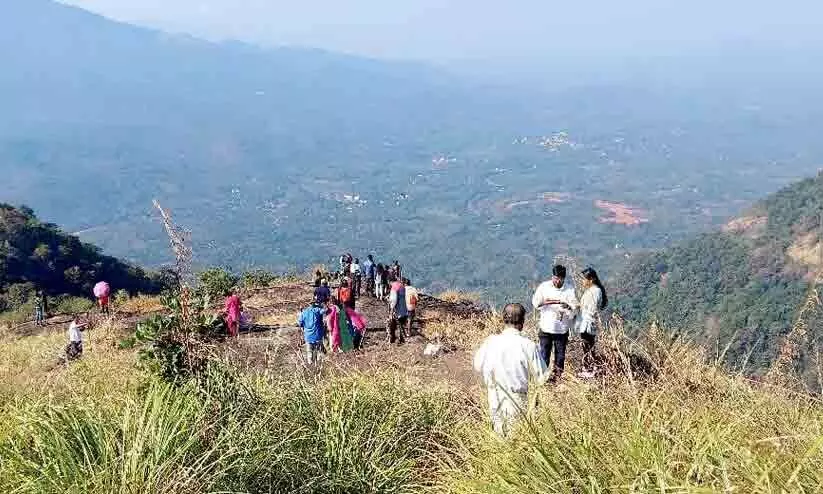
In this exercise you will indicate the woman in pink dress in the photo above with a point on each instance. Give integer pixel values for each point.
(232, 309)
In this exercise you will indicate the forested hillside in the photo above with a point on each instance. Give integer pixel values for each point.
(37, 255)
(743, 286)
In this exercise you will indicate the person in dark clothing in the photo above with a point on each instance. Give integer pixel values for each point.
(318, 278)
(322, 293)
(39, 307)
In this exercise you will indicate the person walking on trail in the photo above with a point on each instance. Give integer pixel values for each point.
(74, 350)
(395, 270)
(345, 294)
(322, 294)
(557, 303)
(318, 278)
(411, 304)
(314, 331)
(398, 313)
(381, 282)
(345, 265)
(39, 307)
(355, 277)
(101, 291)
(341, 331)
(508, 362)
(232, 310)
(593, 301)
(368, 273)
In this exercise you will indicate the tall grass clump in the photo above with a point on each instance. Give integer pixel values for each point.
(163, 441)
(350, 433)
(687, 427)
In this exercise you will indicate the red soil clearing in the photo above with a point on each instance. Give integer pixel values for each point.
(621, 214)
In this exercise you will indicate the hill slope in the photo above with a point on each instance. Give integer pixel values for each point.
(741, 286)
(34, 255)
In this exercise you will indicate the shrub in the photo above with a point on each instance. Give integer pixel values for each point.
(258, 278)
(215, 282)
(72, 305)
(120, 298)
(18, 294)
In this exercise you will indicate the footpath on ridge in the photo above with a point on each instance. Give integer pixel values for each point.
(275, 343)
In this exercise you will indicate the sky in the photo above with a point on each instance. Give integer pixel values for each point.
(453, 30)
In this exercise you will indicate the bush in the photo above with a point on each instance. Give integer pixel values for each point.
(120, 298)
(72, 305)
(216, 282)
(258, 279)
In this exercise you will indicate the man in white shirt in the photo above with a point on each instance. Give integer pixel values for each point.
(507, 362)
(74, 350)
(557, 303)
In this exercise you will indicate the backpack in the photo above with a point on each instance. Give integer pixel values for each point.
(344, 294)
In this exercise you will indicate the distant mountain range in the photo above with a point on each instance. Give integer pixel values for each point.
(256, 151)
(742, 287)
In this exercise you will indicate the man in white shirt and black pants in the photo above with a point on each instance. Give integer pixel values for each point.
(557, 303)
(508, 362)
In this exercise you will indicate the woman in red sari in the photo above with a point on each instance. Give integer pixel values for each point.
(232, 309)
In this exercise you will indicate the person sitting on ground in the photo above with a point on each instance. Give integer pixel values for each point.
(507, 362)
(411, 304)
(322, 294)
(314, 331)
(39, 307)
(593, 301)
(74, 350)
(232, 309)
(557, 303)
(345, 294)
(318, 278)
(398, 313)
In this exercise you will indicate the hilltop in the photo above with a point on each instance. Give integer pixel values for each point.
(742, 287)
(387, 419)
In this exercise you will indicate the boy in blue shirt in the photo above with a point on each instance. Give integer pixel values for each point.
(311, 320)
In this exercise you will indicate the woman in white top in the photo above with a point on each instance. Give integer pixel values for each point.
(593, 301)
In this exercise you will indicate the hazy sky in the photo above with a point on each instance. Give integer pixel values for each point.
(477, 29)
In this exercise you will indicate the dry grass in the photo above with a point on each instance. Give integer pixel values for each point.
(141, 305)
(458, 297)
(33, 366)
(280, 318)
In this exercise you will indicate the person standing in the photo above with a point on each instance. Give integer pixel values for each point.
(318, 278)
(232, 310)
(322, 294)
(557, 303)
(398, 313)
(508, 362)
(39, 307)
(345, 294)
(311, 321)
(74, 350)
(355, 277)
(368, 274)
(593, 301)
(412, 297)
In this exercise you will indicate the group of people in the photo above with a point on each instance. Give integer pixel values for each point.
(508, 362)
(333, 315)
